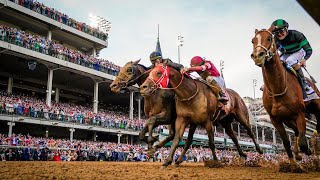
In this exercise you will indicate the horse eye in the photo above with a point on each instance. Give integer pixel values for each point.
(269, 39)
(129, 70)
(159, 73)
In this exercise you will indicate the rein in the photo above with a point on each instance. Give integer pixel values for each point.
(156, 85)
(269, 56)
(126, 81)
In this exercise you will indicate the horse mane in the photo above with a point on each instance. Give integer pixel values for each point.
(143, 66)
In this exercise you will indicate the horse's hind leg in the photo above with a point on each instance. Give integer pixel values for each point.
(188, 143)
(226, 124)
(244, 121)
(285, 140)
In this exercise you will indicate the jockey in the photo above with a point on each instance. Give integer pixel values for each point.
(294, 47)
(208, 72)
(156, 58)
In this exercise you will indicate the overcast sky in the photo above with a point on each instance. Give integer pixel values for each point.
(215, 29)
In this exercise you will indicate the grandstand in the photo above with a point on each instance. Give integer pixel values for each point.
(53, 84)
(53, 58)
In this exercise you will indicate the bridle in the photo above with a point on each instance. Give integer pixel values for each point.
(123, 82)
(157, 84)
(269, 56)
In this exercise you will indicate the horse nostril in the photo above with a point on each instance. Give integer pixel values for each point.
(144, 87)
(261, 54)
(252, 56)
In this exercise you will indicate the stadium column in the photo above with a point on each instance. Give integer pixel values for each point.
(131, 105)
(274, 136)
(10, 84)
(119, 137)
(94, 136)
(10, 124)
(57, 95)
(49, 35)
(72, 130)
(94, 52)
(49, 87)
(95, 97)
(139, 109)
(47, 132)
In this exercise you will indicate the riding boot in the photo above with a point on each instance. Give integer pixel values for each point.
(303, 79)
(219, 92)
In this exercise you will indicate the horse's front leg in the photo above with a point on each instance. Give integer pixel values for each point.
(180, 127)
(155, 121)
(301, 125)
(163, 142)
(142, 134)
(188, 143)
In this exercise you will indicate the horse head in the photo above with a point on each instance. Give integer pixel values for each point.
(158, 79)
(264, 47)
(129, 72)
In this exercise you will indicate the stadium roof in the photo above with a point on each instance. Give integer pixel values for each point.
(312, 7)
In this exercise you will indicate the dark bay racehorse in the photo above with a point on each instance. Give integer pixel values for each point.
(158, 107)
(196, 104)
(282, 95)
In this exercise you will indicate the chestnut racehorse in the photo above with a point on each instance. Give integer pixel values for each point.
(196, 104)
(158, 107)
(282, 95)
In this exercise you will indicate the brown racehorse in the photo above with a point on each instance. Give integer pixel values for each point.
(196, 104)
(158, 107)
(282, 95)
(133, 73)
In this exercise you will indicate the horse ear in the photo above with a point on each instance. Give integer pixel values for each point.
(165, 62)
(256, 30)
(136, 62)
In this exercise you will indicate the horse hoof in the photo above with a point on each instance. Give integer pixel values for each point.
(163, 167)
(298, 157)
(151, 152)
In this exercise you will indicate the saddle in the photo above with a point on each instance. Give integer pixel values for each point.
(222, 110)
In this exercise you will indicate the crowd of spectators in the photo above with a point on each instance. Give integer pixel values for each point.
(61, 17)
(24, 105)
(113, 117)
(20, 147)
(54, 49)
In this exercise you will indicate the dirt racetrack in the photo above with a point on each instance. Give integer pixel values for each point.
(134, 170)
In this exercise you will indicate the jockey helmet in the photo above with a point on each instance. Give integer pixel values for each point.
(155, 55)
(315, 132)
(196, 61)
(279, 24)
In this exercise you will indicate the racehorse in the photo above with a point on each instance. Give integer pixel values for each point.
(196, 104)
(158, 107)
(282, 95)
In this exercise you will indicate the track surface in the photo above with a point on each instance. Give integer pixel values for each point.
(134, 170)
